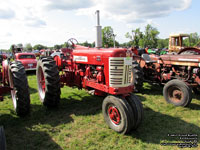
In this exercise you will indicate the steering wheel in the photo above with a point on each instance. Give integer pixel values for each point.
(71, 42)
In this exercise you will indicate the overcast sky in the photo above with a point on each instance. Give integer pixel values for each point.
(51, 22)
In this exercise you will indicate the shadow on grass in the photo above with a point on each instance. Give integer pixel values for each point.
(32, 90)
(31, 72)
(156, 127)
(194, 106)
(152, 89)
(196, 96)
(32, 131)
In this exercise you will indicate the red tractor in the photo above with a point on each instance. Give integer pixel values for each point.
(105, 71)
(180, 73)
(13, 79)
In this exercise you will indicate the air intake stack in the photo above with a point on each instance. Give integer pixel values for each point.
(98, 42)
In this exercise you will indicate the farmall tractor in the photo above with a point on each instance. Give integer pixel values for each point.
(180, 73)
(14, 80)
(105, 71)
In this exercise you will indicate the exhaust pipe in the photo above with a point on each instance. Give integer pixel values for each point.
(98, 42)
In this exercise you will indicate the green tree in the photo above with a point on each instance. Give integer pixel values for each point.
(86, 44)
(28, 47)
(93, 44)
(135, 36)
(65, 45)
(163, 43)
(107, 36)
(150, 36)
(39, 47)
(57, 46)
(193, 39)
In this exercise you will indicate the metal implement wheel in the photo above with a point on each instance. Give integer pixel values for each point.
(117, 114)
(177, 92)
(48, 80)
(20, 93)
(2, 139)
(137, 108)
(137, 77)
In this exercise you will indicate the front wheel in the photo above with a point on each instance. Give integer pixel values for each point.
(48, 80)
(177, 92)
(20, 93)
(117, 114)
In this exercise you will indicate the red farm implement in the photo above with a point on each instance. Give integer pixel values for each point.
(105, 71)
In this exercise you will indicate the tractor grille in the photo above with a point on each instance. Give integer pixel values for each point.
(119, 72)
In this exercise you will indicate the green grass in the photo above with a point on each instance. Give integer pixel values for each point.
(78, 122)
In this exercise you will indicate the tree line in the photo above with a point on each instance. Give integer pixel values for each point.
(137, 38)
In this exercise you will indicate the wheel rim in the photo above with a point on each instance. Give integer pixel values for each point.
(41, 83)
(13, 92)
(114, 115)
(175, 94)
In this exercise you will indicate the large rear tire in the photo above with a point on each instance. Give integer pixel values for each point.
(177, 92)
(48, 80)
(117, 114)
(137, 77)
(20, 93)
(2, 139)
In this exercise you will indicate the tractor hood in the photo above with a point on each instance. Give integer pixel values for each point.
(97, 56)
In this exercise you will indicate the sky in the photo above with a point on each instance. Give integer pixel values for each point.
(51, 22)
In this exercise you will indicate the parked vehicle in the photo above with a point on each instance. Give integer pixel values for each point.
(28, 60)
(13, 79)
(105, 71)
(180, 73)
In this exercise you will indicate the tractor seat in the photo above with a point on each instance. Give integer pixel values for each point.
(147, 58)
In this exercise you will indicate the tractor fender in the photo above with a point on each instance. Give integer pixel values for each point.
(194, 49)
(5, 68)
(57, 56)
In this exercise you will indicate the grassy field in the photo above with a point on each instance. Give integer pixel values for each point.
(78, 123)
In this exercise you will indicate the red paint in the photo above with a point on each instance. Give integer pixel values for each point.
(88, 68)
(27, 59)
(114, 115)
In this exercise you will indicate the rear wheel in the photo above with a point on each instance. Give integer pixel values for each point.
(177, 92)
(48, 81)
(137, 77)
(2, 139)
(20, 93)
(117, 114)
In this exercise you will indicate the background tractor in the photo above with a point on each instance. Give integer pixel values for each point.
(106, 72)
(179, 73)
(13, 79)
(176, 44)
